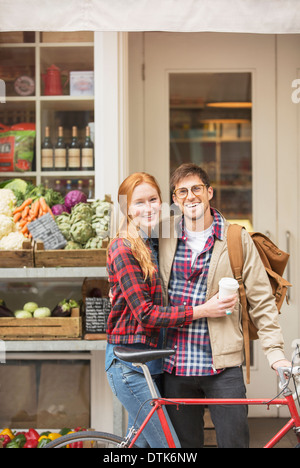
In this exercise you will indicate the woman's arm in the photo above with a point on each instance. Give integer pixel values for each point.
(137, 295)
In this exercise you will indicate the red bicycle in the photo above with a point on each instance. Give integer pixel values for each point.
(140, 358)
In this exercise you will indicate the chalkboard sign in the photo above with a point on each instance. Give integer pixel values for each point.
(97, 310)
(46, 230)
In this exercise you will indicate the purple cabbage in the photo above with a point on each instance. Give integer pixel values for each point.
(73, 198)
(59, 209)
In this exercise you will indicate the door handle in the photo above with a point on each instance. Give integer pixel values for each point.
(288, 250)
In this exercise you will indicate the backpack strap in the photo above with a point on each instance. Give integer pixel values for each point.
(235, 252)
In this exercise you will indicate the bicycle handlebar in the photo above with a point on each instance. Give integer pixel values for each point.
(285, 373)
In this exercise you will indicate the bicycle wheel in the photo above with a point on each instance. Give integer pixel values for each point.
(89, 439)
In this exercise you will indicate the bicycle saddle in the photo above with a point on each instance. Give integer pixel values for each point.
(141, 355)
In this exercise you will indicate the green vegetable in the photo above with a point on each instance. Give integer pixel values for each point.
(63, 222)
(22, 314)
(73, 304)
(82, 211)
(64, 431)
(18, 442)
(42, 312)
(30, 307)
(94, 243)
(18, 185)
(81, 231)
(43, 442)
(51, 196)
(71, 245)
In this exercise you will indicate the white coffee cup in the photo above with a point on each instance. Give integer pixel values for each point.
(227, 287)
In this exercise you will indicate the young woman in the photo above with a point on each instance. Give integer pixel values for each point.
(138, 317)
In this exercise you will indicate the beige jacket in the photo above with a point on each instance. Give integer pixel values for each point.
(226, 332)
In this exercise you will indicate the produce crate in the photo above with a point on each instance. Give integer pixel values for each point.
(69, 258)
(18, 258)
(49, 328)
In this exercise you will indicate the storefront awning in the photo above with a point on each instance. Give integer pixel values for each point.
(242, 16)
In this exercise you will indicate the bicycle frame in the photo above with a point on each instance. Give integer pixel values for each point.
(158, 403)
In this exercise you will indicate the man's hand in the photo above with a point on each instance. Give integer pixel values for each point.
(282, 363)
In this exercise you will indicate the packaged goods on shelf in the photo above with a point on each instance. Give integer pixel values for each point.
(17, 145)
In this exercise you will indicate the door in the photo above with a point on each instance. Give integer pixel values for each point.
(167, 57)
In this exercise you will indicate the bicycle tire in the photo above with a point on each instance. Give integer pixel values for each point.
(98, 440)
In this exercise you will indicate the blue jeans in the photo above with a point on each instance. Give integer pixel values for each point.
(131, 389)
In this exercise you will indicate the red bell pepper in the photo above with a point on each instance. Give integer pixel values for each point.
(76, 445)
(5, 440)
(32, 443)
(32, 434)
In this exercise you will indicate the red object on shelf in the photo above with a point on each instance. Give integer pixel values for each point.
(52, 81)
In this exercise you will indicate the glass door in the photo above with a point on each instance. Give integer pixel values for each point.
(210, 125)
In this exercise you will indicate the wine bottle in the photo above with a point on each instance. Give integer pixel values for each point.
(87, 152)
(47, 152)
(60, 152)
(74, 152)
(91, 189)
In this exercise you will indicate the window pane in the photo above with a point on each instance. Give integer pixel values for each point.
(210, 125)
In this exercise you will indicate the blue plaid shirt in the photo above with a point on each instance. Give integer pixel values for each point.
(188, 284)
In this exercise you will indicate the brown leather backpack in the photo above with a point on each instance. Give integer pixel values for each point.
(274, 260)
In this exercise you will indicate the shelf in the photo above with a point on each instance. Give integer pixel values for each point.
(69, 51)
(55, 345)
(19, 274)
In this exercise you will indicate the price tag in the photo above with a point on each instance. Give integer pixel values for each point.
(46, 230)
(96, 313)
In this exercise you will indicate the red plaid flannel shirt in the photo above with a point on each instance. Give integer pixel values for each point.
(137, 313)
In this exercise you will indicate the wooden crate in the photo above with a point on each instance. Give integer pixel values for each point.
(49, 328)
(18, 258)
(69, 258)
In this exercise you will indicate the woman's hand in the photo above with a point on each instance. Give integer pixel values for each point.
(215, 307)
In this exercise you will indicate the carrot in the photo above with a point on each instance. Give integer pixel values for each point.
(35, 209)
(24, 230)
(17, 217)
(25, 212)
(43, 204)
(22, 223)
(24, 204)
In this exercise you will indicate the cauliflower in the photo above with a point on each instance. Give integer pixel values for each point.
(13, 241)
(6, 225)
(7, 201)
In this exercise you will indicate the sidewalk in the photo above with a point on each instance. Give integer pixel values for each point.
(261, 431)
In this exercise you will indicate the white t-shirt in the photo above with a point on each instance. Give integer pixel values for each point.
(196, 241)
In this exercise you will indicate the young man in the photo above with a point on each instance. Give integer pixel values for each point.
(209, 352)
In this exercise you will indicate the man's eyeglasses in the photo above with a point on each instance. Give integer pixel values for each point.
(183, 192)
